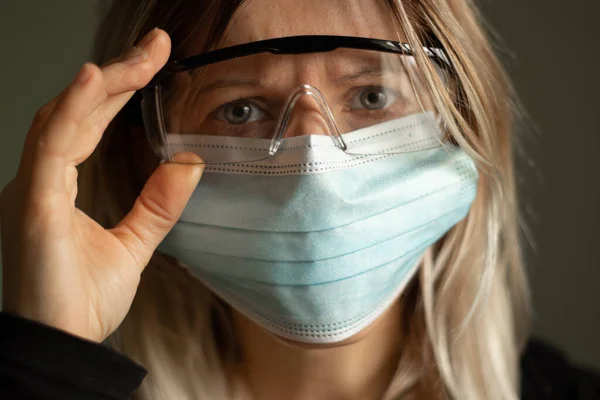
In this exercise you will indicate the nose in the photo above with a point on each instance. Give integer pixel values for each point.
(308, 114)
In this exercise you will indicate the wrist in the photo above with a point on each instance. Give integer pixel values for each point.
(72, 326)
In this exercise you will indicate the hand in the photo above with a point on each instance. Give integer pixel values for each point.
(61, 268)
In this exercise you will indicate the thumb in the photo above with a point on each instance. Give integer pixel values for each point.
(159, 206)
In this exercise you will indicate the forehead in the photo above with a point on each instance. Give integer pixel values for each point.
(266, 19)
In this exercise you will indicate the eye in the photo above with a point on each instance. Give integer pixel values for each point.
(239, 113)
(373, 98)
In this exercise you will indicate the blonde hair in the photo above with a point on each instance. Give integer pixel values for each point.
(465, 315)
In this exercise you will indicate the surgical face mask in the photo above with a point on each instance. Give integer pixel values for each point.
(315, 243)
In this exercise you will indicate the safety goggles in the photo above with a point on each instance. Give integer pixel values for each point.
(239, 104)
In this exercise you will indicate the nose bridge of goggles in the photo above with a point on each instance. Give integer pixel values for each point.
(324, 109)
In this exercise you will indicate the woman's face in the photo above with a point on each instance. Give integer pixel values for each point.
(244, 97)
(198, 104)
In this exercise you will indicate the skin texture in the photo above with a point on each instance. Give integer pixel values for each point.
(64, 270)
(359, 368)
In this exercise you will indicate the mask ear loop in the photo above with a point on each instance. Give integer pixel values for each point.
(284, 119)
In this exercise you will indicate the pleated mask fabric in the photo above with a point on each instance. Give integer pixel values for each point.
(314, 243)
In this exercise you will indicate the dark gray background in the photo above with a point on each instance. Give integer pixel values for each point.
(550, 48)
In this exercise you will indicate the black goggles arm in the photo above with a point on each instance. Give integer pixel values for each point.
(295, 45)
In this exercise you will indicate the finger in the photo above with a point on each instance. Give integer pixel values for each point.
(110, 89)
(49, 155)
(44, 113)
(158, 207)
(135, 69)
(74, 128)
(122, 80)
(39, 121)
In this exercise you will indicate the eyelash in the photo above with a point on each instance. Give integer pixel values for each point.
(354, 92)
(241, 100)
(358, 90)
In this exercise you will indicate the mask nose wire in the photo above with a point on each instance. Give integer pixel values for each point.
(284, 119)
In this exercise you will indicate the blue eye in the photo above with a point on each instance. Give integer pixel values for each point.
(239, 113)
(373, 98)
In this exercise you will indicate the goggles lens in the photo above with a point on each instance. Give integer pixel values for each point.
(265, 98)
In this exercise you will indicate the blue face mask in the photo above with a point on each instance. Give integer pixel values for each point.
(314, 244)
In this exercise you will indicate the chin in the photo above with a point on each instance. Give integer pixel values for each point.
(316, 346)
(381, 324)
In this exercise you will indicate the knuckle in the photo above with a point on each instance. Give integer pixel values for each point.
(100, 123)
(135, 240)
(134, 80)
(155, 203)
(42, 148)
(21, 207)
(110, 62)
(40, 202)
(42, 212)
(138, 77)
(42, 114)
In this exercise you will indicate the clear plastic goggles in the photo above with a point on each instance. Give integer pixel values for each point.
(258, 94)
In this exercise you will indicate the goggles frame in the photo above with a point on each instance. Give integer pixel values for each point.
(303, 44)
(290, 45)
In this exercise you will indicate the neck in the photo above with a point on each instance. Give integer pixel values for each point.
(359, 368)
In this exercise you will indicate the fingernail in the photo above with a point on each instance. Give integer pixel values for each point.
(148, 38)
(136, 55)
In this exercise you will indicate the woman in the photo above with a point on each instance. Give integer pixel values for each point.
(353, 235)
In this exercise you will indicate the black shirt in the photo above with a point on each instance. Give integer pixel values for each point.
(39, 362)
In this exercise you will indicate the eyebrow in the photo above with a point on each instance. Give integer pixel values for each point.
(223, 83)
(367, 71)
(364, 72)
